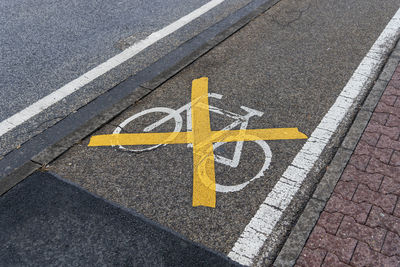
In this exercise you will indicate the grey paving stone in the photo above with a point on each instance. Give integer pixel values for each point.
(354, 134)
(298, 237)
(396, 53)
(374, 96)
(389, 69)
(332, 174)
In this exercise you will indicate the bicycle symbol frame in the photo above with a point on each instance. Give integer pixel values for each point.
(239, 120)
(203, 140)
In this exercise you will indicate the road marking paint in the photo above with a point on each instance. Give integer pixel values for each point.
(126, 139)
(248, 246)
(71, 87)
(203, 154)
(238, 120)
(202, 138)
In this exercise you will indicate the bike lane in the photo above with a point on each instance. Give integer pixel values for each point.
(291, 63)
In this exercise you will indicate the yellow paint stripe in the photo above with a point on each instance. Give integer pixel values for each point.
(187, 137)
(203, 154)
(257, 134)
(141, 139)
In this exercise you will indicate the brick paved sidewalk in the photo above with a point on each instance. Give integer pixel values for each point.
(360, 225)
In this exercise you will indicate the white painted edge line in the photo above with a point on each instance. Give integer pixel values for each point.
(69, 88)
(248, 246)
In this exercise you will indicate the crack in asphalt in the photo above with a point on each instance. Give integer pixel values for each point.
(297, 18)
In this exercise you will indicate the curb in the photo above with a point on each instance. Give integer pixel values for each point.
(310, 215)
(54, 141)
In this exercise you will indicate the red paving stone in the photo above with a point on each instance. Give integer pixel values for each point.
(370, 138)
(332, 260)
(390, 186)
(342, 247)
(391, 132)
(380, 117)
(346, 189)
(395, 161)
(397, 103)
(365, 256)
(377, 166)
(388, 100)
(383, 154)
(396, 211)
(390, 110)
(392, 244)
(385, 201)
(393, 120)
(391, 90)
(372, 180)
(360, 161)
(330, 221)
(360, 225)
(378, 218)
(311, 257)
(372, 236)
(386, 142)
(359, 211)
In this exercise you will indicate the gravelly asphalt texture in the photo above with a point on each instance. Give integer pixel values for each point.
(290, 63)
(46, 221)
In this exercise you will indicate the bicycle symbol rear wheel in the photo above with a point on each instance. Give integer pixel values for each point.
(175, 115)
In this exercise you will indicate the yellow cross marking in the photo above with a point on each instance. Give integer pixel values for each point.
(202, 138)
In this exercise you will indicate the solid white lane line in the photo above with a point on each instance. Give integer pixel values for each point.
(49, 100)
(262, 224)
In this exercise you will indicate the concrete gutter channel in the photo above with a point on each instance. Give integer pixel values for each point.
(51, 143)
(47, 146)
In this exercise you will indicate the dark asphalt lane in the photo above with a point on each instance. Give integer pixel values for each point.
(290, 63)
(45, 45)
(46, 221)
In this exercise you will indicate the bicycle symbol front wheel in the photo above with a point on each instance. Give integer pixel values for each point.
(171, 113)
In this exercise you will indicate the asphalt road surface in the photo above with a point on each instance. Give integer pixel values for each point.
(46, 221)
(290, 63)
(47, 44)
(285, 69)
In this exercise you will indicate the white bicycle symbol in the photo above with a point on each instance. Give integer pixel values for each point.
(239, 120)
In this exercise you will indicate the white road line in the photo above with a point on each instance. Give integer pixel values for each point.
(248, 246)
(49, 100)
